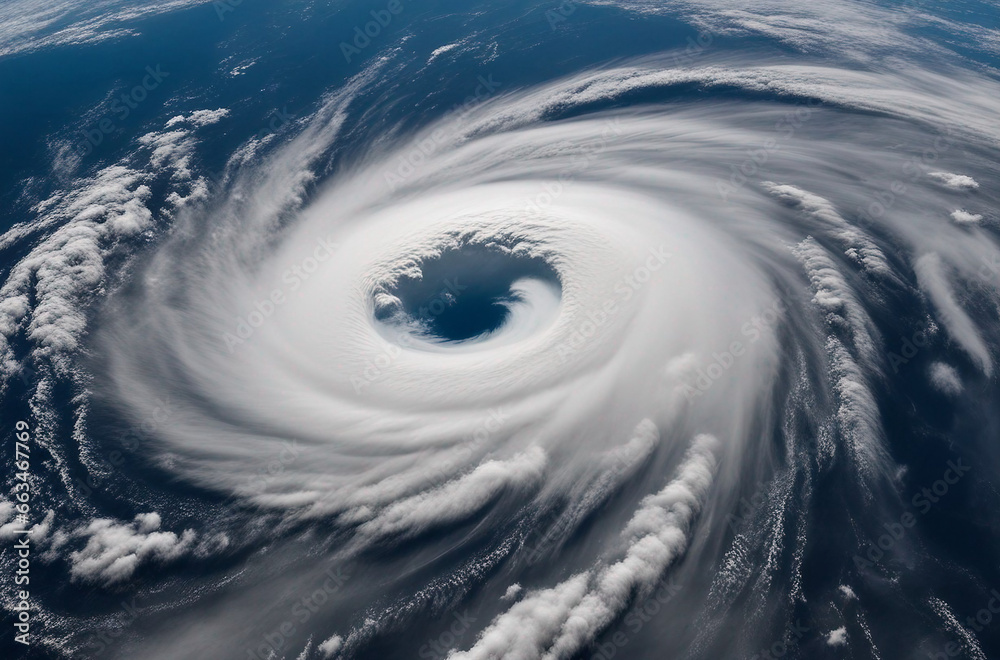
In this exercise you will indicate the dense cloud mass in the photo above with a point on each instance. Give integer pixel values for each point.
(673, 337)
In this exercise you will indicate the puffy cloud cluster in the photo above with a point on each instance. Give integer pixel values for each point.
(199, 118)
(560, 621)
(837, 637)
(174, 149)
(66, 268)
(945, 378)
(963, 217)
(68, 265)
(955, 181)
(114, 551)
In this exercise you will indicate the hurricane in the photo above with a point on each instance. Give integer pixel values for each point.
(548, 331)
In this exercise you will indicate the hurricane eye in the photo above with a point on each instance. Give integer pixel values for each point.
(464, 293)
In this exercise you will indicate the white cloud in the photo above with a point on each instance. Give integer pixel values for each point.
(529, 625)
(457, 500)
(945, 378)
(27, 25)
(513, 591)
(955, 181)
(438, 52)
(933, 280)
(171, 149)
(560, 621)
(853, 29)
(241, 69)
(114, 551)
(837, 637)
(68, 265)
(963, 217)
(199, 118)
(858, 418)
(835, 297)
(9, 525)
(330, 647)
(857, 245)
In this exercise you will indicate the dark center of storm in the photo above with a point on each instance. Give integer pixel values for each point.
(463, 293)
